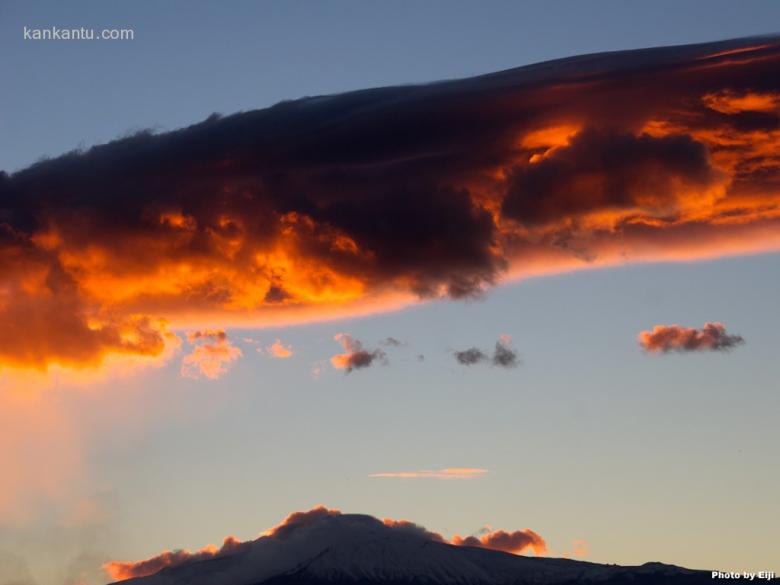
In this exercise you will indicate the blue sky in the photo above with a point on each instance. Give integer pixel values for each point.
(642, 456)
(670, 458)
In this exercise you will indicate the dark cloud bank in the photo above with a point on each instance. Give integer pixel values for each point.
(345, 202)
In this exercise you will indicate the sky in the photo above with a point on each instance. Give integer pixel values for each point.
(644, 455)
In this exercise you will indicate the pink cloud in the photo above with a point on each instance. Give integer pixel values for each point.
(212, 356)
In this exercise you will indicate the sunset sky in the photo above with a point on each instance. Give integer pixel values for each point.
(477, 304)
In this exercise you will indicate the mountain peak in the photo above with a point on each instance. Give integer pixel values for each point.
(325, 547)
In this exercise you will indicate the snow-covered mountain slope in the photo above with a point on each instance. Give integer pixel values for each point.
(359, 549)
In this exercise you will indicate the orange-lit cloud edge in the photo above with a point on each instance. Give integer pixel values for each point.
(515, 542)
(622, 163)
(665, 338)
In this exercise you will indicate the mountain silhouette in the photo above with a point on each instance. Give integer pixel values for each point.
(356, 549)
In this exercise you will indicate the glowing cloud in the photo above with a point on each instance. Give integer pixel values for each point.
(278, 350)
(354, 356)
(446, 473)
(369, 201)
(212, 355)
(666, 338)
(512, 542)
(119, 570)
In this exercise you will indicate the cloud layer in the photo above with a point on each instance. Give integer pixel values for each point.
(666, 338)
(369, 200)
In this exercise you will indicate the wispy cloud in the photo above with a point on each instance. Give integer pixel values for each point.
(446, 473)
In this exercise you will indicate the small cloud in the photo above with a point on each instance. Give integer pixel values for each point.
(512, 542)
(446, 473)
(391, 342)
(212, 356)
(471, 356)
(206, 335)
(504, 356)
(667, 338)
(278, 350)
(355, 356)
